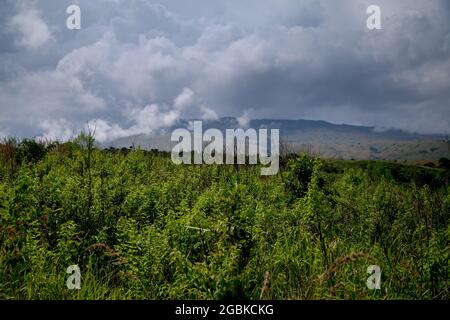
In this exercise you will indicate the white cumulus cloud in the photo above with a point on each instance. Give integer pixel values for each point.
(32, 30)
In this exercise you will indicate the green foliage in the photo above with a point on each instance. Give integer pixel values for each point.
(31, 151)
(299, 175)
(141, 227)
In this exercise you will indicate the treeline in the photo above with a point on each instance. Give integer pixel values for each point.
(14, 152)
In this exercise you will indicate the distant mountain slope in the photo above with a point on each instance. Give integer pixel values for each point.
(317, 137)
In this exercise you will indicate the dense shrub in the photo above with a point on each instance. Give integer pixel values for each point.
(141, 227)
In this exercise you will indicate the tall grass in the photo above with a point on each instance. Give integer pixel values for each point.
(140, 227)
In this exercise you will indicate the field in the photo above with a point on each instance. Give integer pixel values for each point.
(140, 227)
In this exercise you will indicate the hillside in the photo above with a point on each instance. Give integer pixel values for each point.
(319, 138)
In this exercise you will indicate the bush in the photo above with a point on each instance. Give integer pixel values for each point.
(299, 175)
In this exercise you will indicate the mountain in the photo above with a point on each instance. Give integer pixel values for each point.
(317, 137)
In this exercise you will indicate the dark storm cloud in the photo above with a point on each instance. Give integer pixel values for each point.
(139, 65)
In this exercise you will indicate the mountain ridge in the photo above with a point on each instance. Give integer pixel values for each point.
(318, 137)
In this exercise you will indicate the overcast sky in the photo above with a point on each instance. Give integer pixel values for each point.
(139, 65)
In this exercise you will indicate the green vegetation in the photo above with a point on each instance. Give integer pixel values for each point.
(141, 227)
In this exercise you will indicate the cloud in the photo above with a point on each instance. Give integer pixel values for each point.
(137, 67)
(57, 129)
(207, 113)
(32, 31)
(244, 119)
(144, 120)
(184, 100)
(36, 97)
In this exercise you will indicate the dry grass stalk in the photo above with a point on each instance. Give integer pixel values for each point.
(109, 252)
(265, 287)
(336, 265)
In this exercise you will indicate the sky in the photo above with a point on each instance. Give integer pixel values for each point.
(137, 66)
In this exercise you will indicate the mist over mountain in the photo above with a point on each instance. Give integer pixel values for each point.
(325, 139)
(138, 66)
